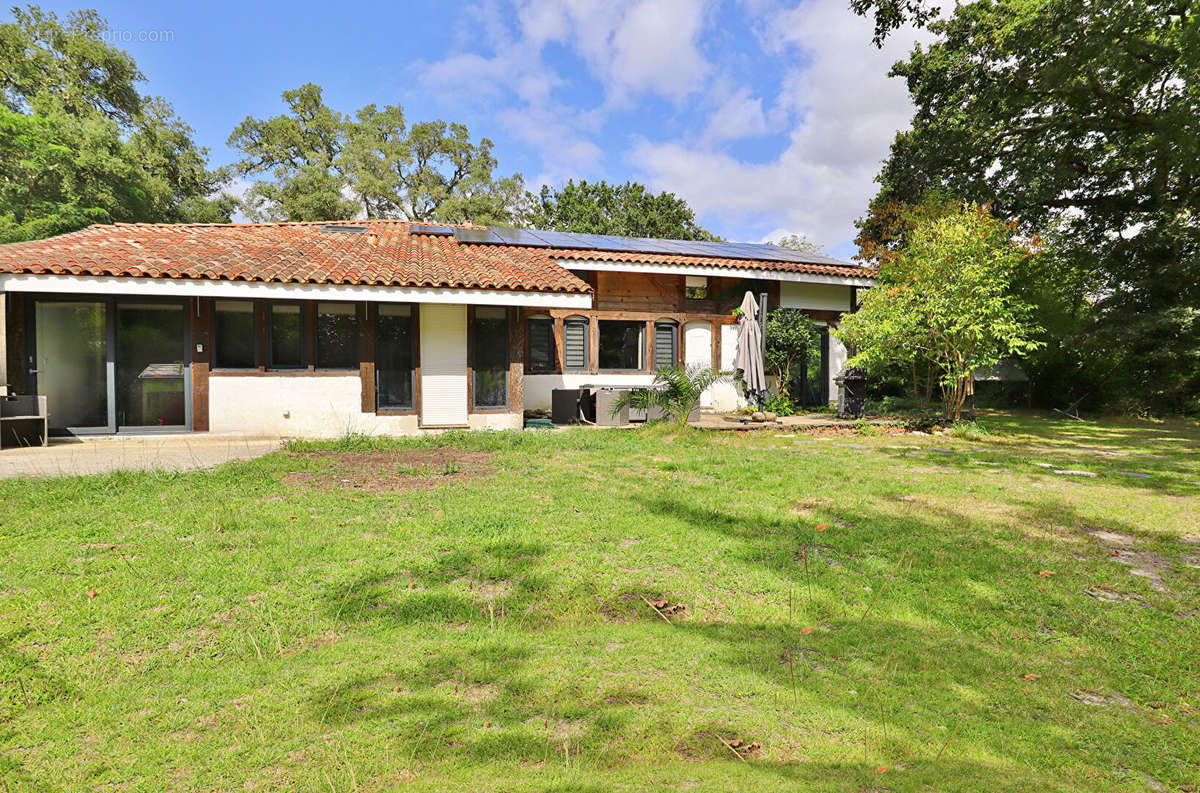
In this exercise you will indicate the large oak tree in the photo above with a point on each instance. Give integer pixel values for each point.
(326, 165)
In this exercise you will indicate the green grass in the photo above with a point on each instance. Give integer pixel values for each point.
(492, 633)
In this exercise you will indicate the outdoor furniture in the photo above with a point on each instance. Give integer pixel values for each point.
(23, 421)
(1072, 410)
(852, 393)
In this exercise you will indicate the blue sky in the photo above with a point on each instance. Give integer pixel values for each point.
(768, 117)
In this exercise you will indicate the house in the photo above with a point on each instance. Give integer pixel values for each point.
(376, 326)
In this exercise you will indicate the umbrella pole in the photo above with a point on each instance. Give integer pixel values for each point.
(762, 340)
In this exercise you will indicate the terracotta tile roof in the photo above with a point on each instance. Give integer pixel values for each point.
(826, 267)
(386, 254)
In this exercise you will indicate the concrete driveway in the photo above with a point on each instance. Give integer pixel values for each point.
(182, 452)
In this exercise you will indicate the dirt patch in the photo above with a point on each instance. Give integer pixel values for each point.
(1144, 564)
(391, 472)
(471, 693)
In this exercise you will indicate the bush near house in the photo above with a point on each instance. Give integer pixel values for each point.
(945, 305)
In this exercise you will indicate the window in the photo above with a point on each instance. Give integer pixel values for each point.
(541, 344)
(286, 335)
(489, 356)
(337, 336)
(395, 356)
(665, 336)
(233, 334)
(621, 344)
(575, 344)
(696, 287)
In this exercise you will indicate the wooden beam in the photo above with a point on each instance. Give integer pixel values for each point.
(516, 361)
(200, 310)
(716, 343)
(366, 353)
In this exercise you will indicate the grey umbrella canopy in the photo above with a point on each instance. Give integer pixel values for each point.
(749, 348)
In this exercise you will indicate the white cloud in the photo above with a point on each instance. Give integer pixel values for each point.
(631, 47)
(737, 115)
(846, 112)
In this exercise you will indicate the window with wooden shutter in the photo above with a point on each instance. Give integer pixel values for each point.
(665, 355)
(575, 343)
(541, 344)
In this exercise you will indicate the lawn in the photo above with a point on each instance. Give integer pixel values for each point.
(861, 612)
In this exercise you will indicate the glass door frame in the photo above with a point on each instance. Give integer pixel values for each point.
(110, 303)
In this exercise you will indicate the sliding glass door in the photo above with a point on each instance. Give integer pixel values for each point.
(71, 366)
(151, 370)
(108, 365)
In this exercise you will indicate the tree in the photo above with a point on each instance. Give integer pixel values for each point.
(799, 242)
(600, 208)
(675, 390)
(327, 166)
(434, 172)
(81, 144)
(1078, 120)
(947, 300)
(789, 333)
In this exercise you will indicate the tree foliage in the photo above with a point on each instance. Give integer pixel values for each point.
(799, 242)
(1078, 120)
(80, 143)
(676, 390)
(947, 302)
(789, 333)
(326, 165)
(627, 209)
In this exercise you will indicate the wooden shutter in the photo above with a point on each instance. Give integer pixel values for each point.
(575, 344)
(664, 345)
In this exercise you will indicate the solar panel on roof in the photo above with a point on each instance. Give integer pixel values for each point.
(507, 236)
(425, 228)
(608, 242)
(473, 236)
(336, 229)
(562, 239)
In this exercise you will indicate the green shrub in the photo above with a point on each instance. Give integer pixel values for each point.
(968, 430)
(780, 405)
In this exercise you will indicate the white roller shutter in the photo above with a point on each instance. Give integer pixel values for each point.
(443, 365)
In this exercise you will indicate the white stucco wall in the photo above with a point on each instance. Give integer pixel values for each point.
(837, 362)
(313, 407)
(725, 396)
(698, 351)
(825, 297)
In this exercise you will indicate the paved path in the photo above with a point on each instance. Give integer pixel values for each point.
(182, 452)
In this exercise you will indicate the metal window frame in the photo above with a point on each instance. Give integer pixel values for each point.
(577, 320)
(270, 351)
(356, 343)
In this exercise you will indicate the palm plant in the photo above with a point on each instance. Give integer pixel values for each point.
(675, 390)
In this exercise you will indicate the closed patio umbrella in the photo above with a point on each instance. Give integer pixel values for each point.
(749, 349)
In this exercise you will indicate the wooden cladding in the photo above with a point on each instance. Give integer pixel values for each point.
(639, 292)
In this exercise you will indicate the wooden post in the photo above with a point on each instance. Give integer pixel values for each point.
(594, 345)
(716, 342)
(516, 361)
(366, 354)
(201, 309)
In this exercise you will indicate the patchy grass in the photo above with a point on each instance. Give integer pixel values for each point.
(857, 613)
